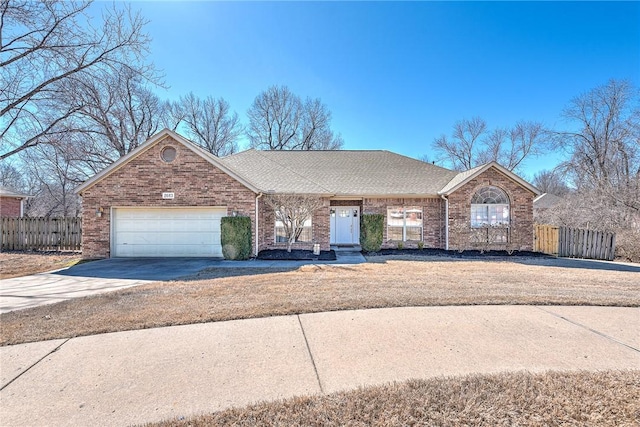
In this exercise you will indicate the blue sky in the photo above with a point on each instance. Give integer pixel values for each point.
(398, 74)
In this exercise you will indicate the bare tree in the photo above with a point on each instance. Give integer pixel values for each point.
(472, 144)
(279, 120)
(11, 177)
(551, 181)
(293, 210)
(605, 147)
(54, 175)
(210, 124)
(460, 151)
(172, 115)
(118, 109)
(510, 147)
(316, 133)
(44, 45)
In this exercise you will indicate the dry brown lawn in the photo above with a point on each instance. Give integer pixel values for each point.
(229, 293)
(16, 264)
(610, 398)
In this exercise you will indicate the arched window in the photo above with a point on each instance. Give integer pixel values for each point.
(489, 207)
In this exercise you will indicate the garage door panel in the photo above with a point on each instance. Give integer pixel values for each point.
(140, 232)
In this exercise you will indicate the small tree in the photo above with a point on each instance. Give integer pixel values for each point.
(293, 210)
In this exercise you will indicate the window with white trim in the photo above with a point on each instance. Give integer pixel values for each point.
(304, 234)
(404, 223)
(490, 209)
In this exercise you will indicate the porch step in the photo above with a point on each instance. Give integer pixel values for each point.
(346, 248)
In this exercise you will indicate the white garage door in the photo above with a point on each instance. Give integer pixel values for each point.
(167, 232)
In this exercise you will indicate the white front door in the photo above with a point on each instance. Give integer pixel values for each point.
(345, 225)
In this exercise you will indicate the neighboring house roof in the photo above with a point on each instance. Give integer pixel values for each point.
(6, 192)
(463, 177)
(154, 140)
(339, 172)
(546, 201)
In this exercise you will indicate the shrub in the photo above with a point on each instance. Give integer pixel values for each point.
(371, 232)
(236, 237)
(421, 245)
(628, 244)
(400, 245)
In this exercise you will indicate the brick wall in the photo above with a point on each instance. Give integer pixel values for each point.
(141, 182)
(521, 207)
(9, 207)
(319, 224)
(432, 218)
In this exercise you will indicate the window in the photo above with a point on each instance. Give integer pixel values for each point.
(304, 234)
(489, 207)
(490, 215)
(404, 223)
(168, 154)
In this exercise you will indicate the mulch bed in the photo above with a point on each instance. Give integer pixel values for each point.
(454, 254)
(296, 255)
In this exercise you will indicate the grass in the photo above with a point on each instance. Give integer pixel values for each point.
(17, 264)
(510, 399)
(223, 294)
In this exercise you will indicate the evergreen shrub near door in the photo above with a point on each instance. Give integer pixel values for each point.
(371, 232)
(236, 237)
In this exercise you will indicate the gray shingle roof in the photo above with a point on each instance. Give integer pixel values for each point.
(340, 173)
(546, 201)
(7, 192)
(460, 178)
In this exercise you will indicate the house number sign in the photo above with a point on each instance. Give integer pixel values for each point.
(168, 195)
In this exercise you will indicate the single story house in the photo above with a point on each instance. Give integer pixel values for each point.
(11, 203)
(166, 198)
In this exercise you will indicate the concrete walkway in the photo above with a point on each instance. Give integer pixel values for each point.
(148, 375)
(117, 273)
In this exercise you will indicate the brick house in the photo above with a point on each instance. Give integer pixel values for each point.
(11, 203)
(166, 198)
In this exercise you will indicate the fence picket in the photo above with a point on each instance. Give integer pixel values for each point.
(45, 234)
(574, 242)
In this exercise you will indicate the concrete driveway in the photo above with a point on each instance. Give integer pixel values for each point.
(118, 273)
(93, 278)
(148, 375)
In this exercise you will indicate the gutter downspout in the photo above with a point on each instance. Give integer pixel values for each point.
(257, 235)
(446, 224)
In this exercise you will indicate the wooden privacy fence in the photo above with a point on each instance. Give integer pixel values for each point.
(546, 239)
(575, 242)
(44, 234)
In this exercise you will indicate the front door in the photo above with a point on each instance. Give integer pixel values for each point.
(345, 225)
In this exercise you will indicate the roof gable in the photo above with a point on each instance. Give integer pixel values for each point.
(463, 177)
(155, 139)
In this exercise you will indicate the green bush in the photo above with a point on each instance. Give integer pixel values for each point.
(371, 232)
(236, 237)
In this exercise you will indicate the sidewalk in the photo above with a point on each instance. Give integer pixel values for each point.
(148, 375)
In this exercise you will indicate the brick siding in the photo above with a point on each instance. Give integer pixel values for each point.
(197, 183)
(319, 228)
(9, 207)
(141, 182)
(520, 201)
(432, 219)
